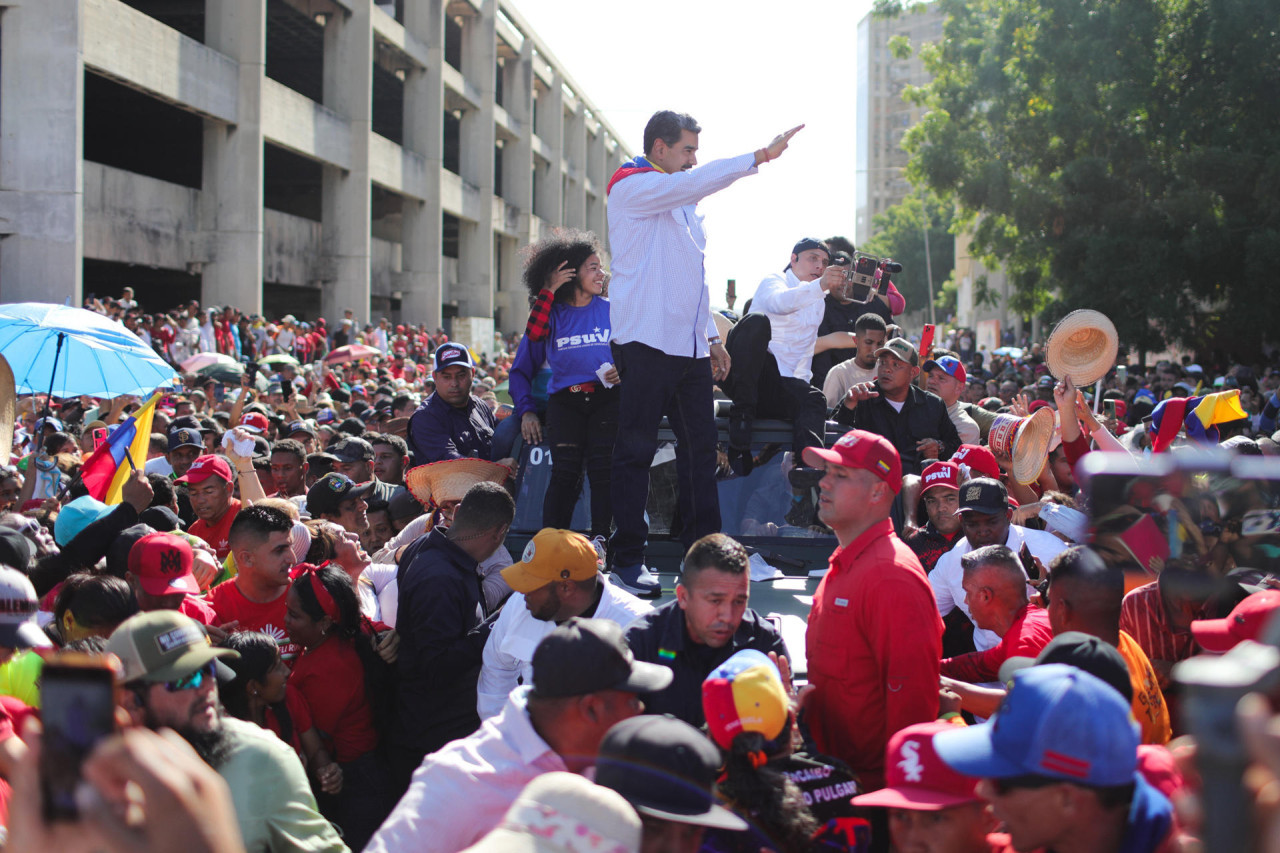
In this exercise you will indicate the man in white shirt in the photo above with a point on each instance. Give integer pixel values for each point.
(585, 680)
(772, 350)
(664, 343)
(871, 333)
(947, 379)
(557, 579)
(985, 518)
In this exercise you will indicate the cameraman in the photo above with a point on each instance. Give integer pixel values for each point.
(841, 312)
(771, 350)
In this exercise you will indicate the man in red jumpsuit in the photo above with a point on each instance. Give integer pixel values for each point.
(875, 640)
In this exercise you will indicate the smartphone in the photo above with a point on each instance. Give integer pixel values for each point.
(286, 389)
(1028, 563)
(77, 708)
(99, 437)
(1109, 408)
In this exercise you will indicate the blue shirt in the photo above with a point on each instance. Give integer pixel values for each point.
(439, 431)
(527, 382)
(658, 293)
(579, 342)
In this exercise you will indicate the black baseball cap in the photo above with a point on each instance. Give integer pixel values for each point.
(666, 769)
(331, 490)
(447, 355)
(185, 437)
(303, 427)
(808, 243)
(587, 655)
(1083, 651)
(984, 495)
(351, 449)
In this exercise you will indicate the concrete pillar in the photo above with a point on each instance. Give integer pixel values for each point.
(475, 245)
(345, 193)
(41, 154)
(423, 133)
(517, 184)
(232, 196)
(549, 182)
(575, 151)
(598, 177)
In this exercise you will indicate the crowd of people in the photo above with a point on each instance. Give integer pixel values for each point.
(307, 578)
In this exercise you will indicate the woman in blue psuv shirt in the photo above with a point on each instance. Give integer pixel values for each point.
(567, 279)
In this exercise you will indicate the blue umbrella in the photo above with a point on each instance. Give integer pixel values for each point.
(70, 351)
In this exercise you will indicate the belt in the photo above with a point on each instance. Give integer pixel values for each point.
(584, 388)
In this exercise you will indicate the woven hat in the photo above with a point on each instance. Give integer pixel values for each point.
(1024, 440)
(8, 410)
(1083, 346)
(450, 479)
(564, 813)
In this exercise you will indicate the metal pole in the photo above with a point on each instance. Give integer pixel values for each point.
(48, 403)
(928, 262)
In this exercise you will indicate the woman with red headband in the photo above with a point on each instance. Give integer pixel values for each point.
(332, 673)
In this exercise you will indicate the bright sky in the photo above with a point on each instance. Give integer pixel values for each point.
(746, 71)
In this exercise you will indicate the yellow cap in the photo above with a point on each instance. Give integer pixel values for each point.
(552, 555)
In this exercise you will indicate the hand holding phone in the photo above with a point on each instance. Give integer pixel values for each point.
(77, 704)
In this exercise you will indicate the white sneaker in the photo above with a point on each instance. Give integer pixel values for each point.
(637, 579)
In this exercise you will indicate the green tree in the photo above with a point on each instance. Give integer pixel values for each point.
(1122, 155)
(900, 235)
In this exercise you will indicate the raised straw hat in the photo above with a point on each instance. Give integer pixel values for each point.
(449, 480)
(1083, 346)
(1024, 440)
(8, 410)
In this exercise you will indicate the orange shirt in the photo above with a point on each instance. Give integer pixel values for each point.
(1149, 708)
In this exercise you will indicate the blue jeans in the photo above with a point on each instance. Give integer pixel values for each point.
(655, 384)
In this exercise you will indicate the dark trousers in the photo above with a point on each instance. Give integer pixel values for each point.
(367, 797)
(656, 384)
(754, 381)
(581, 427)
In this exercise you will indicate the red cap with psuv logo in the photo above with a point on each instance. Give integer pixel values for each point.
(944, 474)
(979, 458)
(205, 467)
(858, 448)
(255, 422)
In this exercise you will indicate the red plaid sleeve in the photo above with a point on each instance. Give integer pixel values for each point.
(539, 325)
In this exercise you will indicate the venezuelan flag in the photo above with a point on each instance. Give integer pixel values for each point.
(105, 471)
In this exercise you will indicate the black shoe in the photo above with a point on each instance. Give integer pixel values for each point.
(741, 419)
(741, 462)
(802, 477)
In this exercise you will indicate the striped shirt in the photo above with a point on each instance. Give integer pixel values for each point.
(658, 291)
(1143, 617)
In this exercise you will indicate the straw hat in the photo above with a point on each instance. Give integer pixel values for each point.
(450, 479)
(8, 411)
(564, 813)
(1024, 440)
(723, 324)
(1083, 346)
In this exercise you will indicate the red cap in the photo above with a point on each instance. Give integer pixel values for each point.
(255, 422)
(861, 449)
(205, 467)
(944, 474)
(979, 458)
(1245, 622)
(916, 778)
(162, 564)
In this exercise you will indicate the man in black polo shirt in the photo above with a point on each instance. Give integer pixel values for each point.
(452, 424)
(915, 421)
(707, 623)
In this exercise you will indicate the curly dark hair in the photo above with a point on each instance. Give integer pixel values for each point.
(544, 257)
(773, 800)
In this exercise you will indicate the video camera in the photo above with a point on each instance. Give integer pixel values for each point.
(867, 276)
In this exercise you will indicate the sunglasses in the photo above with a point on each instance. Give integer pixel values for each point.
(193, 681)
(1012, 783)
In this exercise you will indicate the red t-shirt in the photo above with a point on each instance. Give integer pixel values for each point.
(230, 605)
(299, 719)
(198, 609)
(331, 678)
(216, 534)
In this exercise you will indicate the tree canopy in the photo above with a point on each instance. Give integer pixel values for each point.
(1123, 155)
(900, 235)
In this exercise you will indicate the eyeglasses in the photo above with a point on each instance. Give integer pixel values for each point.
(1005, 786)
(194, 681)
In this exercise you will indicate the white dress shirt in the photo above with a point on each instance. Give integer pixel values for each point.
(947, 576)
(794, 309)
(461, 791)
(508, 653)
(658, 292)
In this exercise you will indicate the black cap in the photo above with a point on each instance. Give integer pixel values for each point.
(666, 769)
(118, 551)
(185, 422)
(984, 495)
(450, 354)
(351, 426)
(586, 655)
(163, 519)
(15, 549)
(185, 437)
(331, 490)
(351, 449)
(808, 243)
(1083, 651)
(303, 427)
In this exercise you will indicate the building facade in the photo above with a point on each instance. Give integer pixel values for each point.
(882, 116)
(290, 156)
